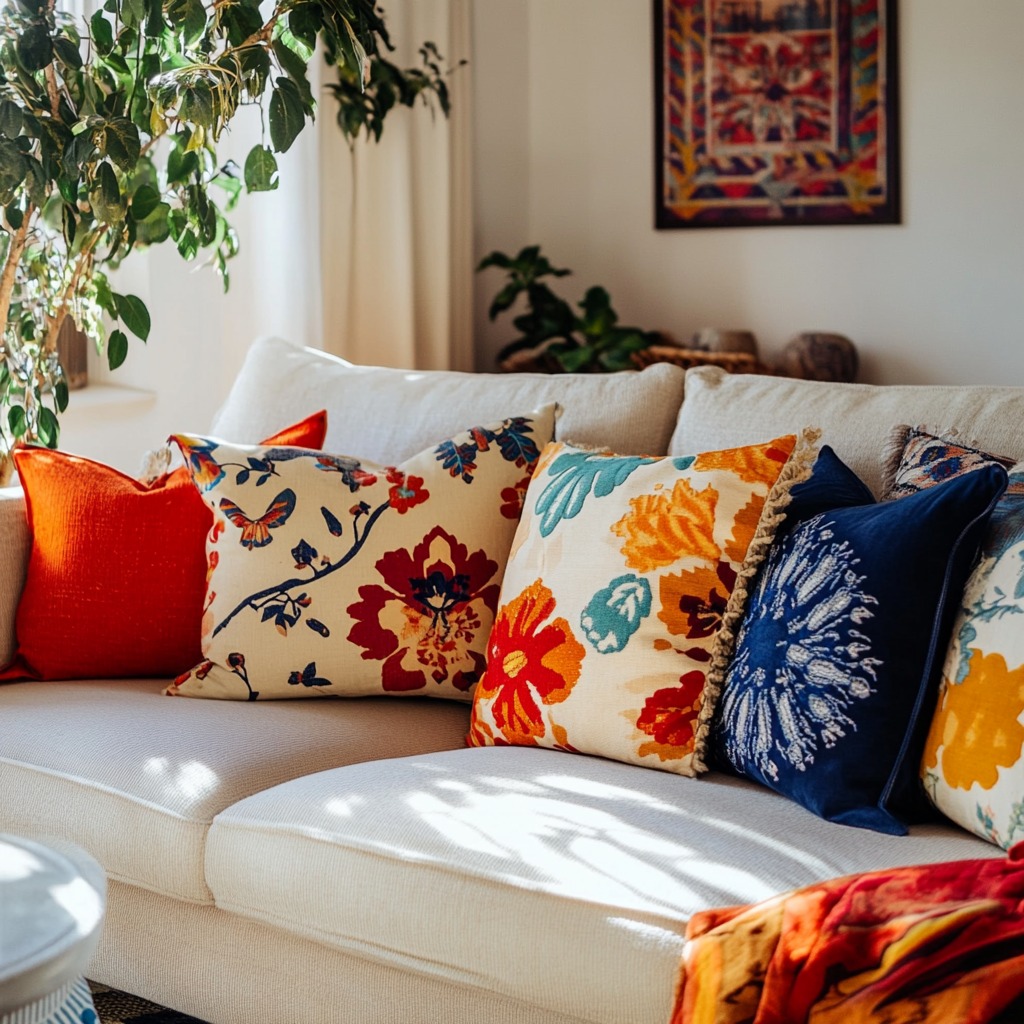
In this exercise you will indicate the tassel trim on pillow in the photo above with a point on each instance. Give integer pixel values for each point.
(796, 470)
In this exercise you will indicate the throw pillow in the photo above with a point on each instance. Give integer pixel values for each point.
(918, 459)
(621, 573)
(973, 763)
(834, 671)
(117, 571)
(335, 576)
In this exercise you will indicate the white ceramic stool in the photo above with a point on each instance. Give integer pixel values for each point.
(51, 909)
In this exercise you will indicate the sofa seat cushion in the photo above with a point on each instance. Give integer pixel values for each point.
(563, 881)
(136, 778)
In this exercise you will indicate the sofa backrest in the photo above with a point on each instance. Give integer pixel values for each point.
(386, 415)
(15, 542)
(725, 411)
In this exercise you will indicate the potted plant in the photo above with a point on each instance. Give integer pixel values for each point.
(109, 131)
(552, 336)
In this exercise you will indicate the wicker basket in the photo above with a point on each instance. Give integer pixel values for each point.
(731, 362)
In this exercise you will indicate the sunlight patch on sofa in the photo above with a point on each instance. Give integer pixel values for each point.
(193, 779)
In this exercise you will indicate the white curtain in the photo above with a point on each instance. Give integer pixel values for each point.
(396, 245)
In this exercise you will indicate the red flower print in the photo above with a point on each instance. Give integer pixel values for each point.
(514, 498)
(406, 491)
(428, 620)
(530, 655)
(669, 716)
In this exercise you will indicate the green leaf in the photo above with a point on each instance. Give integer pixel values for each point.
(104, 296)
(35, 47)
(132, 312)
(15, 215)
(117, 349)
(68, 52)
(181, 165)
(102, 33)
(287, 116)
(305, 20)
(60, 395)
(10, 119)
(136, 8)
(17, 421)
(260, 170)
(119, 139)
(155, 228)
(49, 428)
(198, 105)
(189, 16)
(295, 68)
(145, 201)
(188, 244)
(108, 204)
(12, 167)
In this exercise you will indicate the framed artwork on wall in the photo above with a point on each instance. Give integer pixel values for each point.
(774, 112)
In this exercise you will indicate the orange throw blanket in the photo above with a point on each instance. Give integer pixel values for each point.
(935, 944)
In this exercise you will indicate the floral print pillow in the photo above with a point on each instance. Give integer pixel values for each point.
(973, 763)
(621, 572)
(332, 576)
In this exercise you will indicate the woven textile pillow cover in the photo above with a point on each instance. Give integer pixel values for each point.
(835, 667)
(620, 575)
(117, 571)
(973, 763)
(332, 576)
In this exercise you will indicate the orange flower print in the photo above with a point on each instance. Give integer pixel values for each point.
(693, 602)
(660, 528)
(757, 464)
(669, 717)
(977, 724)
(530, 655)
(743, 529)
(406, 491)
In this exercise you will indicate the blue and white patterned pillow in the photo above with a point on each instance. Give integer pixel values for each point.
(835, 667)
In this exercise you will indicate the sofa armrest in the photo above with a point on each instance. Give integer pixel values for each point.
(15, 544)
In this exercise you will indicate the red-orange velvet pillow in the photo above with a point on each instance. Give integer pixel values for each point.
(117, 574)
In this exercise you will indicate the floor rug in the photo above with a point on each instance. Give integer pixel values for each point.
(115, 1007)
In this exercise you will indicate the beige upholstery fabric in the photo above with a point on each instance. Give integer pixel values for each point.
(552, 878)
(15, 544)
(386, 415)
(136, 777)
(229, 970)
(724, 411)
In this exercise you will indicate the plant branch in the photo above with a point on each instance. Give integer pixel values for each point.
(15, 248)
(55, 322)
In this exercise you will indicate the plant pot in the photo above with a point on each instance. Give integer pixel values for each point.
(73, 353)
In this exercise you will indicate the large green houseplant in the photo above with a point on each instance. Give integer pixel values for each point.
(109, 130)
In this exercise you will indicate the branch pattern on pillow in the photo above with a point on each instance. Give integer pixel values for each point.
(621, 573)
(329, 575)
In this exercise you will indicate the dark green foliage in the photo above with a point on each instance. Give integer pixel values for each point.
(108, 141)
(557, 338)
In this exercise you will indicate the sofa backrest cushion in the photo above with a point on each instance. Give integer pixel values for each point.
(726, 411)
(15, 544)
(388, 415)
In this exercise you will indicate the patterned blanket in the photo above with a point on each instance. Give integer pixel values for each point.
(934, 944)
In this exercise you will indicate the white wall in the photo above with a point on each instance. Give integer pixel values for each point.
(564, 122)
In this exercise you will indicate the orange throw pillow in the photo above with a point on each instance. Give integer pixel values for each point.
(117, 574)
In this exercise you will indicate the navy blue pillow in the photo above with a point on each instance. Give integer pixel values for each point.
(835, 669)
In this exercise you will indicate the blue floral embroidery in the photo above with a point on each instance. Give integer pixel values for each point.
(614, 614)
(808, 605)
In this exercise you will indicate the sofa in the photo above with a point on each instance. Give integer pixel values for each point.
(353, 860)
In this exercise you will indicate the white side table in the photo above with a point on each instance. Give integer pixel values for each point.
(51, 909)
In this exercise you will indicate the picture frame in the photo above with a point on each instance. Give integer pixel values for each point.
(776, 112)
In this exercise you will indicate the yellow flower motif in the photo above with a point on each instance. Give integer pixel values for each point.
(977, 724)
(661, 528)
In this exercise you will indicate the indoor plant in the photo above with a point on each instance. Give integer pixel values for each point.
(552, 337)
(108, 141)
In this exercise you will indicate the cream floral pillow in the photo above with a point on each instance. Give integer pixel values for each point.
(621, 572)
(333, 576)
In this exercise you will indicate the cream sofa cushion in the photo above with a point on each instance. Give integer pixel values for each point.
(136, 777)
(560, 880)
(386, 415)
(725, 411)
(15, 544)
